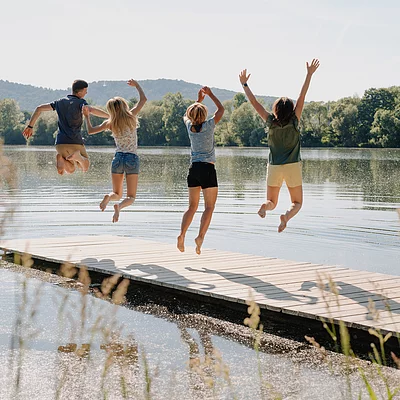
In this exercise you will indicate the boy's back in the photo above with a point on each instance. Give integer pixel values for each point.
(69, 111)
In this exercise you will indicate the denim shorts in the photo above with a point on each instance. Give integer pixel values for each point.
(127, 163)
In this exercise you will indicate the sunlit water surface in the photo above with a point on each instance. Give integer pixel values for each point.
(221, 368)
(349, 218)
(349, 215)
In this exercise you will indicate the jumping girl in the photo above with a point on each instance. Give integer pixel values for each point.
(123, 124)
(284, 162)
(202, 175)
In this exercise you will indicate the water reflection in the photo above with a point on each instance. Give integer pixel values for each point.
(348, 217)
(131, 354)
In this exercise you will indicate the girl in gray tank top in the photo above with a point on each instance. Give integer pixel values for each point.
(284, 163)
(202, 175)
(122, 123)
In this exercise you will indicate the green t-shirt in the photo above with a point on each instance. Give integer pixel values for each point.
(283, 141)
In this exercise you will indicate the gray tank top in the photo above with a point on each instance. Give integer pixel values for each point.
(202, 144)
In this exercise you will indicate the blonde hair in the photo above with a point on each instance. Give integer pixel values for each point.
(196, 113)
(121, 118)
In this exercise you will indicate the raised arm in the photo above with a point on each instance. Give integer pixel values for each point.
(93, 129)
(298, 109)
(200, 96)
(220, 108)
(28, 131)
(142, 97)
(262, 112)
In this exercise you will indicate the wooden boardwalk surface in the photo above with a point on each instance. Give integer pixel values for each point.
(363, 300)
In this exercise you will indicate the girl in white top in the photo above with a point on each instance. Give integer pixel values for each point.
(123, 124)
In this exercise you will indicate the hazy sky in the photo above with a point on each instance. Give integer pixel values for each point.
(50, 43)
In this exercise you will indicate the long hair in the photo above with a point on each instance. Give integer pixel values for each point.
(283, 110)
(196, 113)
(121, 119)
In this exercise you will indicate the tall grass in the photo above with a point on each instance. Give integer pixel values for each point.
(377, 355)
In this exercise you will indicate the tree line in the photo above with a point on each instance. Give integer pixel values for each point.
(370, 121)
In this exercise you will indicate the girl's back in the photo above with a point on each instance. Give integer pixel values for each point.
(126, 142)
(202, 143)
(283, 141)
(123, 125)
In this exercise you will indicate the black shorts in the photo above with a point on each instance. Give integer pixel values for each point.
(202, 174)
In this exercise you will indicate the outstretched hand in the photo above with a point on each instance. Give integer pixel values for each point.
(133, 83)
(243, 77)
(313, 66)
(27, 133)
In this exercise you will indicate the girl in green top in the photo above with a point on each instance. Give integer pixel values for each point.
(284, 163)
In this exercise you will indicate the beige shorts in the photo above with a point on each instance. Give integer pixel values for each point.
(290, 173)
(66, 150)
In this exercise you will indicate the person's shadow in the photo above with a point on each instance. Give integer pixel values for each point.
(145, 271)
(359, 295)
(265, 288)
(156, 272)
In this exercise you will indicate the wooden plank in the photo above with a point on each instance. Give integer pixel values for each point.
(279, 285)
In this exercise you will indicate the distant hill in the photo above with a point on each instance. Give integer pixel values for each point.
(29, 96)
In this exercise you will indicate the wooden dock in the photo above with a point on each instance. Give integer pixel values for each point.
(363, 299)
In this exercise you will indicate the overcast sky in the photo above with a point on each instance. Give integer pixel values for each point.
(50, 43)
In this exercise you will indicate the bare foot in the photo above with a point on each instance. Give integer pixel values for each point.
(105, 202)
(116, 213)
(283, 223)
(181, 243)
(75, 156)
(199, 242)
(262, 212)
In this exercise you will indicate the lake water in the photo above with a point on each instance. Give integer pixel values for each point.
(349, 218)
(349, 215)
(184, 354)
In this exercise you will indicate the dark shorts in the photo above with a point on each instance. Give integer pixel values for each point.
(202, 174)
(127, 163)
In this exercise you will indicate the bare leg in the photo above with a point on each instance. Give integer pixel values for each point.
(60, 162)
(83, 162)
(272, 200)
(296, 195)
(210, 198)
(64, 166)
(116, 194)
(194, 197)
(69, 167)
(131, 187)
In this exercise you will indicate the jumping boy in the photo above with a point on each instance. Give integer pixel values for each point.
(69, 142)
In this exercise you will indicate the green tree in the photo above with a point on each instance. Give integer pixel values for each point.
(132, 102)
(371, 102)
(238, 100)
(223, 133)
(385, 130)
(314, 124)
(11, 119)
(174, 107)
(243, 122)
(45, 130)
(345, 122)
(151, 127)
